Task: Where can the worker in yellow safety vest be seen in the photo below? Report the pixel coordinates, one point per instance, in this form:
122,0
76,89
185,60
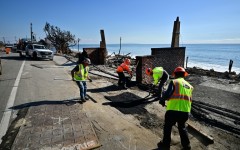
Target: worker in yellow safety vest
159,76
179,96
80,74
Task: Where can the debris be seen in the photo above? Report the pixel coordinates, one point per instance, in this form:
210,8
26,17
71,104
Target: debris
208,138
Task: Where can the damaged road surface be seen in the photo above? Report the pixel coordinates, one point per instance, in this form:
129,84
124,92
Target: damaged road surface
139,108
113,118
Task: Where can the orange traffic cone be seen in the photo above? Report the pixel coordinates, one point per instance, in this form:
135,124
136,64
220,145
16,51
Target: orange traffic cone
8,50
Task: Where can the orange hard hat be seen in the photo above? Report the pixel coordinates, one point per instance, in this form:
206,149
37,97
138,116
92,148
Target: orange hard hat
180,69
127,61
148,71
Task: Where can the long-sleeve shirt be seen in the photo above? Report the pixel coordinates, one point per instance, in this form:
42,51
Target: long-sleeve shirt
124,67
159,74
167,94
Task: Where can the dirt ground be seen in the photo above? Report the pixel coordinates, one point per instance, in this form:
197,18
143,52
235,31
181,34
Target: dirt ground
131,119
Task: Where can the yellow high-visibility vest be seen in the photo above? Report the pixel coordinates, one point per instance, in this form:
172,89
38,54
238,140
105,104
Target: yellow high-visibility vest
181,98
82,73
157,74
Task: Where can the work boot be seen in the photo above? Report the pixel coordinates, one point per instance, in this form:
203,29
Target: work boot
188,147
83,100
163,146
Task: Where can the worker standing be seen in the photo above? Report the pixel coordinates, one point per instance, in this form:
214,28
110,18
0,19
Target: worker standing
179,96
158,74
80,74
123,78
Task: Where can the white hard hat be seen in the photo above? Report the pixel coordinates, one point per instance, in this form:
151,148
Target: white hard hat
87,60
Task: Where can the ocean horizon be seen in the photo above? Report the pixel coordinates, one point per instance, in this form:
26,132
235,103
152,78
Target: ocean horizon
205,56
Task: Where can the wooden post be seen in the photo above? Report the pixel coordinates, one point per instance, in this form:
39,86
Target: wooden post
230,66
78,44
31,33
186,62
120,46
209,139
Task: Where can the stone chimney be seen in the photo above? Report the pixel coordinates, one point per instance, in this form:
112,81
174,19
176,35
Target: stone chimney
176,33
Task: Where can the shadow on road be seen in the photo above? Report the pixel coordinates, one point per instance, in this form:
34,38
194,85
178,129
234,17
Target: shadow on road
68,64
105,89
46,102
129,103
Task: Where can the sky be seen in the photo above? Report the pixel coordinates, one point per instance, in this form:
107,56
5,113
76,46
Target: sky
135,21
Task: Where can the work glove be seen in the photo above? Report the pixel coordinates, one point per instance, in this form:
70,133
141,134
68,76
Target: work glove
153,89
162,102
90,80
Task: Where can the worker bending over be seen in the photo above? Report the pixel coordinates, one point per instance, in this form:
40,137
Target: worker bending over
158,74
124,74
179,96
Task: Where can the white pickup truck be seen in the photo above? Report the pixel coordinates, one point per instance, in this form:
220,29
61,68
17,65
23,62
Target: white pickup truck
38,51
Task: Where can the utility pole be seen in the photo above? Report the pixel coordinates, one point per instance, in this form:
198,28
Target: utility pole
4,40
31,32
78,44
120,46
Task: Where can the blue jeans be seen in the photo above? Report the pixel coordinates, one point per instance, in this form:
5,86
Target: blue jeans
83,88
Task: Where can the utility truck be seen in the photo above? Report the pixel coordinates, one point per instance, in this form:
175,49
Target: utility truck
38,51
34,50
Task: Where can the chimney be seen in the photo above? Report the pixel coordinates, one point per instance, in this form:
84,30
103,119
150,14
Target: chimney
176,33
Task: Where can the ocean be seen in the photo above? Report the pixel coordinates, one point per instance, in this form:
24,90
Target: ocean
205,56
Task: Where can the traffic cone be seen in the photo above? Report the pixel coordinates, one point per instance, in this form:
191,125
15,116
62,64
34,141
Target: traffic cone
8,50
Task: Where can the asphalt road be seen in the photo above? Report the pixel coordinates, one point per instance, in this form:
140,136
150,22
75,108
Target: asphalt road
11,64
36,85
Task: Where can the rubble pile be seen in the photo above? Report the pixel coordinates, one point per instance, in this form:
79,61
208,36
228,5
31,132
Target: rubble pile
213,73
